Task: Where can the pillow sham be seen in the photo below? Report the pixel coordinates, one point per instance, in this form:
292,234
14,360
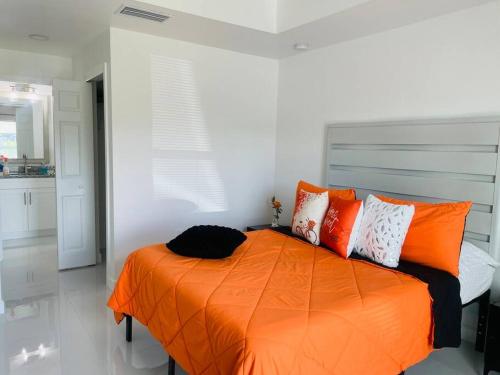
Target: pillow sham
207,241
383,230
435,234
341,225
349,194
309,213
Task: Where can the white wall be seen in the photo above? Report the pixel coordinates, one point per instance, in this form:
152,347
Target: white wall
447,66
255,14
30,67
89,62
93,54
193,138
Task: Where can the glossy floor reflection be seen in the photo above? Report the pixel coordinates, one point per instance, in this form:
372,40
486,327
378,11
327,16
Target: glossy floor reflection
58,323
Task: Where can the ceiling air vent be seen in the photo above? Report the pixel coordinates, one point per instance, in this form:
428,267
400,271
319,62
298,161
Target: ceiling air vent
134,12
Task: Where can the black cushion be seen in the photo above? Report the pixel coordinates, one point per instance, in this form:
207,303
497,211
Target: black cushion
207,241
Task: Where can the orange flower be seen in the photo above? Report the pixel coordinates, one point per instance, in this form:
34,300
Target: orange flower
276,204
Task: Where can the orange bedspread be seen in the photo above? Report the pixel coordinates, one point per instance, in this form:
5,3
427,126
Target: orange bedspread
277,306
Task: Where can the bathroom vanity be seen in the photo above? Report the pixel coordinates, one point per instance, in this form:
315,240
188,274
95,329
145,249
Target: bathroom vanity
27,199
27,206
28,224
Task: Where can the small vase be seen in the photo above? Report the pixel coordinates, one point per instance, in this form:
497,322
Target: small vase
275,222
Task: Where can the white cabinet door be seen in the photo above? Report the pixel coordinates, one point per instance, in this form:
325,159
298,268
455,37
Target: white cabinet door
13,211
16,273
41,209
73,132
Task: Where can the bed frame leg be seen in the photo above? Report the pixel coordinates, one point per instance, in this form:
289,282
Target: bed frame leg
171,365
484,304
128,328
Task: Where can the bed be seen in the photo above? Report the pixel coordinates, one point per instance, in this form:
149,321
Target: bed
279,303
431,160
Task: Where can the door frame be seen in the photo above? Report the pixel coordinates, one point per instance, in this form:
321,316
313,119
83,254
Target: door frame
92,75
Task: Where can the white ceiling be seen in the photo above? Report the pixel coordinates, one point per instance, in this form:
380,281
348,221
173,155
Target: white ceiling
72,23
294,13
68,23
255,14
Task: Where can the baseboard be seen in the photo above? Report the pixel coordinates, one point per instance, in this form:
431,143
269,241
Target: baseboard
26,235
110,282
40,236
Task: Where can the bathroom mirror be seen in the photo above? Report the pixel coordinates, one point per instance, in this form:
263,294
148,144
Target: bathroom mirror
24,121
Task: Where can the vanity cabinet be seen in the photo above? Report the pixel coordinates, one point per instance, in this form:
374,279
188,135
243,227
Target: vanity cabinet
41,205
27,207
29,271
13,211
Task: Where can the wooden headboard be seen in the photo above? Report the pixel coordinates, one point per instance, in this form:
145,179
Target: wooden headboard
427,160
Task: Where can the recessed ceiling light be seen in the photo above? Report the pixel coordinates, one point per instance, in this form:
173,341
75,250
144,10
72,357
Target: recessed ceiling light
39,37
301,46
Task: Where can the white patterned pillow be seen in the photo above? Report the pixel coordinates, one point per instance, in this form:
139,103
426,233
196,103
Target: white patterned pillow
310,210
383,231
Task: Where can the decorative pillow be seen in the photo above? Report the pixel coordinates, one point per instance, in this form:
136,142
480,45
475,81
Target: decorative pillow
383,230
309,213
207,241
436,233
349,194
341,225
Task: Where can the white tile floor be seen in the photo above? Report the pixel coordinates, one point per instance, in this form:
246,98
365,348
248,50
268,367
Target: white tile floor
59,324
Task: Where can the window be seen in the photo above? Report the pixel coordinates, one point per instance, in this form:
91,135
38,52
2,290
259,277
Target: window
8,139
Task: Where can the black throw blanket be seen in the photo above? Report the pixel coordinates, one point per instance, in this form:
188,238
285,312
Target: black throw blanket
444,290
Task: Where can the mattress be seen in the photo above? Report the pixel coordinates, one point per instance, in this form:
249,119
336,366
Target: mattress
278,305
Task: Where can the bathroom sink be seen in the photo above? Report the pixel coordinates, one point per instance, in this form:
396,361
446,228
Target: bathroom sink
30,171
23,175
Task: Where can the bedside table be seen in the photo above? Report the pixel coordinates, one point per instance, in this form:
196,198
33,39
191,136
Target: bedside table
251,228
491,357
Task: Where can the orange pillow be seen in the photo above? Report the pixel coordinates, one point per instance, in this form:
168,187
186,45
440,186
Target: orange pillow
435,235
341,225
349,194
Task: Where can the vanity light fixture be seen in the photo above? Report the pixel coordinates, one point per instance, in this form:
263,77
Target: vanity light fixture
32,95
25,88
38,37
42,351
13,93
24,355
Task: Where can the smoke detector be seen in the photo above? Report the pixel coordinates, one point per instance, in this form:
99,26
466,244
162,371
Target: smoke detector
141,13
39,37
301,46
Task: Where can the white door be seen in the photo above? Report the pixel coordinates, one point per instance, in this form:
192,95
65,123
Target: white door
14,211
73,132
41,209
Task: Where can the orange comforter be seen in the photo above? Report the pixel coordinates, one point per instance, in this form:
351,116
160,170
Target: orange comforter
277,306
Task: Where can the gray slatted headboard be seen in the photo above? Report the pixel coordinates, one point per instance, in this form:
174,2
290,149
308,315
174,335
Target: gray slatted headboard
427,160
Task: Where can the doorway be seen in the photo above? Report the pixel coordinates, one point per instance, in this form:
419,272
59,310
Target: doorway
99,136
